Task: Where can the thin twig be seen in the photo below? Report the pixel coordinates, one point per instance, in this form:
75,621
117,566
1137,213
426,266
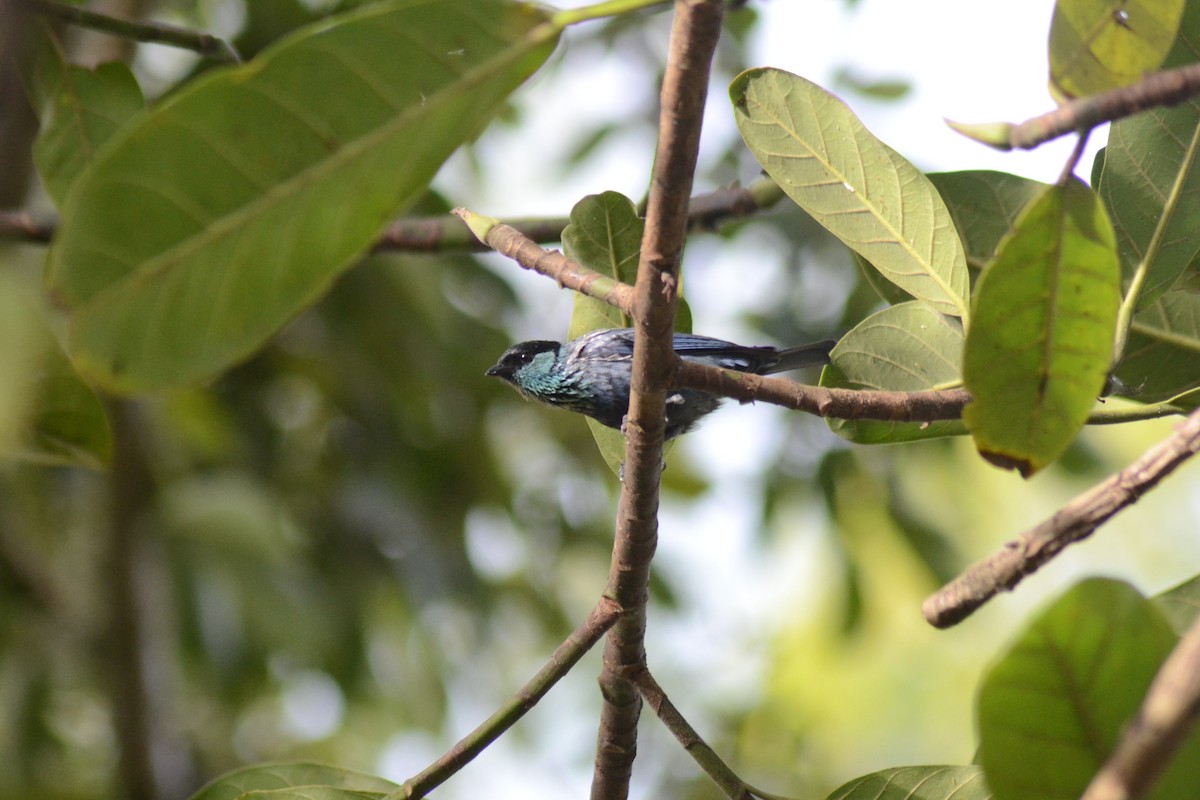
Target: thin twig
564,658
21,226
157,32
694,34
508,241
1157,90
1168,713
703,754
1074,522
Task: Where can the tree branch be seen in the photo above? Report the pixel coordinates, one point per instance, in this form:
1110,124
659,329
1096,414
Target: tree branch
694,34
565,656
1158,89
445,233
708,760
508,241
1168,713
1072,523
157,32
822,401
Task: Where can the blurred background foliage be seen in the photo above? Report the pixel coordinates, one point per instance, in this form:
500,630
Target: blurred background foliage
353,546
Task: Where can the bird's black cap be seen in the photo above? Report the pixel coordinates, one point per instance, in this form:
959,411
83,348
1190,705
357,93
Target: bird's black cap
518,356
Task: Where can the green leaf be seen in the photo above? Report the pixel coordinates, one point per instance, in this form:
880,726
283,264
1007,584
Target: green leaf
1150,182
269,778
1096,45
79,110
1180,604
917,783
854,185
984,205
1045,311
1162,354
605,235
173,268
1054,706
69,425
905,348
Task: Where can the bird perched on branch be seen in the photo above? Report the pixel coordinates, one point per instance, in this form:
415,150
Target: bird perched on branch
590,375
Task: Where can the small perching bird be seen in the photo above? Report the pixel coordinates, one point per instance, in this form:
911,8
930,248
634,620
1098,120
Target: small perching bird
591,375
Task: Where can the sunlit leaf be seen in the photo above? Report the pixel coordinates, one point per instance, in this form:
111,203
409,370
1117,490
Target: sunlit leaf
909,347
917,783
1039,352
856,186
1097,45
1150,181
204,226
1180,604
269,777
1052,709
984,205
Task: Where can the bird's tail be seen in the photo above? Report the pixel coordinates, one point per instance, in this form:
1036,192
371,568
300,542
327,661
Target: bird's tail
806,355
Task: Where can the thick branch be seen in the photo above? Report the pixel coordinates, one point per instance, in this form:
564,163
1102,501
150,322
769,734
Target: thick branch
1158,89
694,35
1073,522
1162,724
565,657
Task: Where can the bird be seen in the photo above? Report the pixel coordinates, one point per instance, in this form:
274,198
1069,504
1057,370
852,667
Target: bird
591,374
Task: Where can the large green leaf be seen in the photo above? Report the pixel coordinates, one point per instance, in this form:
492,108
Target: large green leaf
984,205
908,347
1162,354
79,109
1150,181
1052,709
202,228
1039,352
1097,45
269,778
856,186
917,783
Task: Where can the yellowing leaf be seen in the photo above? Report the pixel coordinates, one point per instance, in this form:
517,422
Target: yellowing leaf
1045,313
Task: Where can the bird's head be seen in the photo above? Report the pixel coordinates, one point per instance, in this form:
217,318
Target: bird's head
527,366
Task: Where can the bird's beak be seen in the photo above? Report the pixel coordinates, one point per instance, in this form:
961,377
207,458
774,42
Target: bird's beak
499,371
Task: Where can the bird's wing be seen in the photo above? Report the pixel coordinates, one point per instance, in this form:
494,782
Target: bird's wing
724,354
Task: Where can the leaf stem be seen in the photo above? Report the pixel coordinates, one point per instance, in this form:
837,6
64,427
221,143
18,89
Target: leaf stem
607,8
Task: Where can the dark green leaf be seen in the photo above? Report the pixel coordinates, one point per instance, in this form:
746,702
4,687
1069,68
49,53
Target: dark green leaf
1150,181
984,205
1053,708
1162,354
